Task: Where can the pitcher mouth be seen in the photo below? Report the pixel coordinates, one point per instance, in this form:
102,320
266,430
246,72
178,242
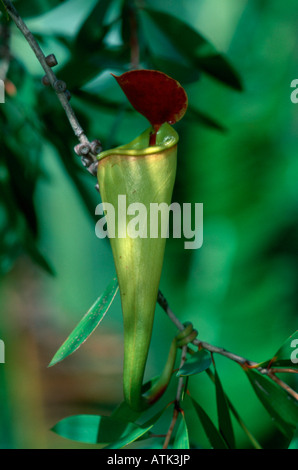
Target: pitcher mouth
166,138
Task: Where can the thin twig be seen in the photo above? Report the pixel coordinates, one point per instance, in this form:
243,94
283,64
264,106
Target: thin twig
202,344
58,85
171,428
177,408
181,379
276,370
234,357
283,385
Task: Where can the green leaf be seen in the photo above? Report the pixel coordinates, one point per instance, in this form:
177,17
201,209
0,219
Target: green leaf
36,7
183,73
63,20
149,443
282,407
87,325
217,66
203,118
197,363
215,438
175,37
286,356
181,440
3,10
101,101
241,423
133,433
294,441
92,65
105,430
92,31
123,412
223,411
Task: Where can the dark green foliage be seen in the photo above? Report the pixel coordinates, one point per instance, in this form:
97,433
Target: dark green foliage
33,116
237,155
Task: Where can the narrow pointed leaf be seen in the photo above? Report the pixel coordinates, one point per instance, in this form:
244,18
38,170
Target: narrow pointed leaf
181,440
88,323
215,65
36,7
134,432
223,411
286,356
191,45
240,421
173,67
197,363
92,31
205,119
281,406
150,443
124,413
215,438
294,441
105,430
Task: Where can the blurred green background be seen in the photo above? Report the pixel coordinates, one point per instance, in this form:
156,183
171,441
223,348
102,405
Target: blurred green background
237,155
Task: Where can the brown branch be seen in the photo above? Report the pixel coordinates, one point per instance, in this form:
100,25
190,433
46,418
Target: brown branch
171,428
276,370
283,385
181,379
202,344
85,147
234,357
177,408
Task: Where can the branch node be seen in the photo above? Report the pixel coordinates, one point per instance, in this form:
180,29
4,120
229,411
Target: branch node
45,81
82,149
51,60
92,168
59,86
96,147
